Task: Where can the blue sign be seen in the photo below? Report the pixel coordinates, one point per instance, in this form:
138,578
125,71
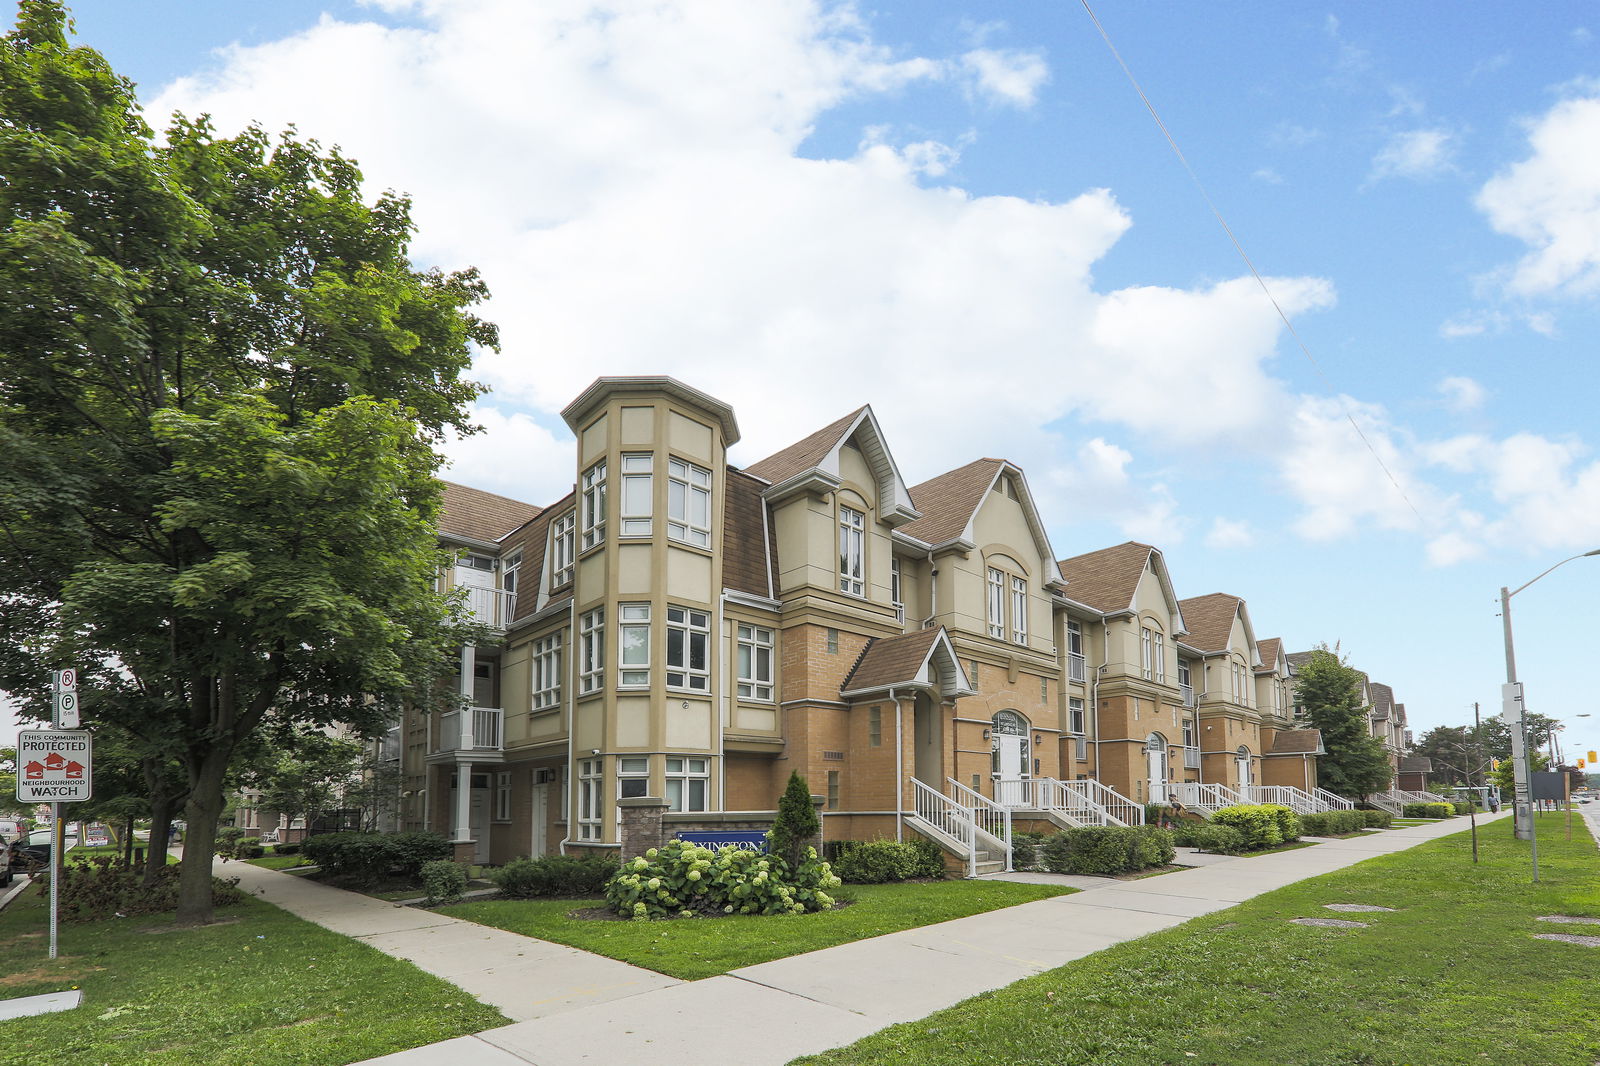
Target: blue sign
750,840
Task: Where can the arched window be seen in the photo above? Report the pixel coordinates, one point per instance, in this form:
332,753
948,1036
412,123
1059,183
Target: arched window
1009,746
1157,742
1011,723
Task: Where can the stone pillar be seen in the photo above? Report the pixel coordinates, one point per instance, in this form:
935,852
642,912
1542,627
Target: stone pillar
640,829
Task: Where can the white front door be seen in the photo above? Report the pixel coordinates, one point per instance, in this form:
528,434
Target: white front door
1244,776
478,818
1158,775
1009,788
541,815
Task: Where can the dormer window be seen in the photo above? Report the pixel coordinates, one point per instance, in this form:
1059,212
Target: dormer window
897,596
997,604
508,577
852,545
1019,610
1153,655
561,544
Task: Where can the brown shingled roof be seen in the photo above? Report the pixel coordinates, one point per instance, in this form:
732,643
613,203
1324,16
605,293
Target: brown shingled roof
1297,742
1271,650
1382,698
1210,620
480,515
1107,579
892,660
749,545
533,538
947,502
1416,764
803,454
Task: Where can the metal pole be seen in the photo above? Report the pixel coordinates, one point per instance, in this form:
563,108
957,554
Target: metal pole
1522,800
55,873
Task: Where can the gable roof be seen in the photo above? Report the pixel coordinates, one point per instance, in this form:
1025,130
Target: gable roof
1210,620
482,516
1382,697
903,662
749,543
1271,650
950,502
1298,742
812,464
1108,579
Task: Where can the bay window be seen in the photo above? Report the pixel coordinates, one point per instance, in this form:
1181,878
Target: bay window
688,637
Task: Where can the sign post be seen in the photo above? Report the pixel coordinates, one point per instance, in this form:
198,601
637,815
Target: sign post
56,766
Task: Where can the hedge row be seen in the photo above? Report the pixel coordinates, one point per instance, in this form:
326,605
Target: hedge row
1333,823
1110,849
1429,810
1264,825
873,862
367,858
554,875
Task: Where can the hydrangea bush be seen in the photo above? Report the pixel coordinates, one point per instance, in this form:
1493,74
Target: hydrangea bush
681,879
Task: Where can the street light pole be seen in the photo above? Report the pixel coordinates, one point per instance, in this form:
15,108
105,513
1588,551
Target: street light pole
1516,719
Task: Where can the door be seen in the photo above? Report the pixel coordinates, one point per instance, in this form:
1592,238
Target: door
1009,788
1157,760
1244,775
478,819
541,818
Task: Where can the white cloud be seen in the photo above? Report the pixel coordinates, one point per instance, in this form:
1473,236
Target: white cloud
1551,202
1227,533
1268,175
1462,394
511,447
1416,154
1332,471
1008,76
1100,486
632,214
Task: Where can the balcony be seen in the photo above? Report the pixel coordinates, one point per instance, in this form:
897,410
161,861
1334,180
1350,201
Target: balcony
476,729
491,607
1188,694
1076,669
1191,758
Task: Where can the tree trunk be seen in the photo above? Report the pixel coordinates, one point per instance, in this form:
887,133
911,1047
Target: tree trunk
127,842
162,807
203,812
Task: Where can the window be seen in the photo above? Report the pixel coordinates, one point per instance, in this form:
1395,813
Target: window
875,727
508,577
833,642
1160,648
476,562
688,783
852,538
594,505
688,503
633,645
502,796
637,504
833,790
1076,670
633,777
1076,719
1019,611
1186,682
997,604
896,595
592,650
755,663
1044,690
1188,731
1153,654
561,550
547,672
688,635
589,818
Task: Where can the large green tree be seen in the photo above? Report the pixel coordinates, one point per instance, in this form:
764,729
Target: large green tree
307,773
221,380
1328,690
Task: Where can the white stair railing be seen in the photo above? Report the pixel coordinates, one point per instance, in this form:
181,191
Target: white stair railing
948,817
1284,795
1206,798
988,817
1117,809
1050,795
1388,801
1335,802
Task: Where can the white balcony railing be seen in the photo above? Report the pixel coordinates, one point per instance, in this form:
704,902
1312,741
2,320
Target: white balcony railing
492,607
1191,757
474,729
1188,694
1077,670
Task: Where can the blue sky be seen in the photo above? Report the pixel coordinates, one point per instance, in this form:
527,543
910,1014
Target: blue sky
963,214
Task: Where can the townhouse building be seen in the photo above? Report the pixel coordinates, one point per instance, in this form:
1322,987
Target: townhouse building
680,628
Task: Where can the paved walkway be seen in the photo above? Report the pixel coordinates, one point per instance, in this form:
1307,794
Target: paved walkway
572,1007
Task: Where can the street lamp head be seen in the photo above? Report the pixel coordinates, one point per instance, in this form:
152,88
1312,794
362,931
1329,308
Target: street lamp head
1585,555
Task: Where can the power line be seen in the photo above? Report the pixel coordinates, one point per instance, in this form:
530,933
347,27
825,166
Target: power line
1261,281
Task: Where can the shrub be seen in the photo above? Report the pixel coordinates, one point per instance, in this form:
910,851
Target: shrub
286,849
1153,846
249,848
1463,806
105,887
1258,822
1025,851
1377,819
873,862
930,858
1220,839
572,876
227,845
445,881
796,824
367,858
1107,849
1429,810
683,879
1333,823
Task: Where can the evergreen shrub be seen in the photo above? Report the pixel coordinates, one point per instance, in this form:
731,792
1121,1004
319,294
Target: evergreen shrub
571,876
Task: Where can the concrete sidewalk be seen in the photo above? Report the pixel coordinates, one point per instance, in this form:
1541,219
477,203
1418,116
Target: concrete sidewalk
574,1007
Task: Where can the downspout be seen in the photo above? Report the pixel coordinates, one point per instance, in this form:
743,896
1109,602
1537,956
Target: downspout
723,712
1094,693
899,771
567,800
933,592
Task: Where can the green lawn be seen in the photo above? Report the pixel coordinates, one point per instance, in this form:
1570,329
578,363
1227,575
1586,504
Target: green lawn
1453,978
693,948
268,988
273,862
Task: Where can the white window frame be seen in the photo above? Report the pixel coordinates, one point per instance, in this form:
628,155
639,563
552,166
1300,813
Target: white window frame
633,776
755,676
1153,654
997,603
592,650
1019,610
561,549
852,550
594,505
688,503
896,589
684,772
547,672
591,822
633,645
1160,659
693,630
1077,665
502,796
1077,715
638,475
510,570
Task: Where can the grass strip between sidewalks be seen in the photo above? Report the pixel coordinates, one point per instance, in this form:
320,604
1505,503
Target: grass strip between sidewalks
692,948
264,988
1454,976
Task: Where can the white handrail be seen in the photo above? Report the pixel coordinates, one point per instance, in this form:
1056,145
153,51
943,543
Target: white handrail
1388,801
948,817
1116,808
1334,801
1202,797
987,815
1052,795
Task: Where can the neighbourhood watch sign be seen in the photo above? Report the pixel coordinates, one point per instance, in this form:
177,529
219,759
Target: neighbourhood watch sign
53,766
